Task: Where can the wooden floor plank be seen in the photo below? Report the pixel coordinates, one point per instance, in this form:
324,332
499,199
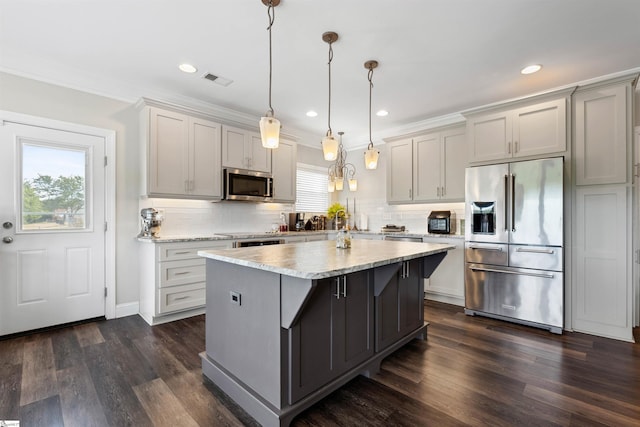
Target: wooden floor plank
10,385
88,334
157,353
66,348
130,360
597,414
120,404
78,398
202,405
44,412
162,407
38,371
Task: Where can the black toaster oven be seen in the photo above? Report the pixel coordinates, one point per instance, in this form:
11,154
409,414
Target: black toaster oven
441,222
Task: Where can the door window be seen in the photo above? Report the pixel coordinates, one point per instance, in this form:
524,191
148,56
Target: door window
53,187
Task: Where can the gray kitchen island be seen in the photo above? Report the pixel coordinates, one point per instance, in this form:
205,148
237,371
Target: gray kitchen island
288,324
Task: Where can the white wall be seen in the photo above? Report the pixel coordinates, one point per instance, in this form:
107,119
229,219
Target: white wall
40,99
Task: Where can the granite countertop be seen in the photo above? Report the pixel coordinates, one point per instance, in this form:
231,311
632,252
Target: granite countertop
321,259
275,235
408,234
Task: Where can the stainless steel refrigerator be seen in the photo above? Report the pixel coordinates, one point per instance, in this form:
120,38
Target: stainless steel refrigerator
514,232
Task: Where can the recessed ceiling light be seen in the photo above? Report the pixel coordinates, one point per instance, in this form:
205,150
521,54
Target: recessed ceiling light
382,113
187,68
311,113
530,69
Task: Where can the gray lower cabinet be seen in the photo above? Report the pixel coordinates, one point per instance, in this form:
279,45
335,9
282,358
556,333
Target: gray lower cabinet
398,301
333,334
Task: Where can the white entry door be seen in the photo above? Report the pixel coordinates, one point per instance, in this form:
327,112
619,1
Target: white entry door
52,232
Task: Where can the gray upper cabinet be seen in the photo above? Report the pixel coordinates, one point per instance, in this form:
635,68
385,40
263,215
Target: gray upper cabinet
436,173
602,134
242,149
284,163
400,172
528,131
182,155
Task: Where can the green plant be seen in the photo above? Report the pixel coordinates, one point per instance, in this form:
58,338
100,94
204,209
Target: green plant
333,209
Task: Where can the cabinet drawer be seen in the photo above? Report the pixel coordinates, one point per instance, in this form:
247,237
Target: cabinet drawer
172,273
542,257
487,253
186,250
181,297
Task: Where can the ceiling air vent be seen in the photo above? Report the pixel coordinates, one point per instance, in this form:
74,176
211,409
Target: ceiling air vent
217,79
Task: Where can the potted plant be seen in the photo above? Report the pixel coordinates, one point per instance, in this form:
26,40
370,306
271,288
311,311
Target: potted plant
335,209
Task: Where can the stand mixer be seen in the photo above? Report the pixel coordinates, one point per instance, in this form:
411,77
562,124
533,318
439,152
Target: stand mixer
151,221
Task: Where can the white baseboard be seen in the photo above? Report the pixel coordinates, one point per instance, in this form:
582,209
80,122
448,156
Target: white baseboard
127,309
447,299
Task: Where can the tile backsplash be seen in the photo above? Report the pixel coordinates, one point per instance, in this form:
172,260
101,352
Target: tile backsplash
201,218
413,217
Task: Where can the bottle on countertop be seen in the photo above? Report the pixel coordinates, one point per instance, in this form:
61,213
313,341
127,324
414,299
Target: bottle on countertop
283,223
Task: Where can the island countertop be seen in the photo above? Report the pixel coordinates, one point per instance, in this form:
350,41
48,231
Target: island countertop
321,259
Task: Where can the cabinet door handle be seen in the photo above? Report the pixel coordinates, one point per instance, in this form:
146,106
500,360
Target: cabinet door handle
404,273
509,147
181,253
442,191
344,286
180,273
515,150
337,294
410,193
637,170
437,191
180,298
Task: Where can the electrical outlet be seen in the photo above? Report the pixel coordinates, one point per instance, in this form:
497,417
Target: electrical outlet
236,298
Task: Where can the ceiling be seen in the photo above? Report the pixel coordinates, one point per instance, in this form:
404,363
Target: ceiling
437,57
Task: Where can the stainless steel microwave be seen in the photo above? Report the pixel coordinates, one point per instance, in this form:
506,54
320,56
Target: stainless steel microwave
240,184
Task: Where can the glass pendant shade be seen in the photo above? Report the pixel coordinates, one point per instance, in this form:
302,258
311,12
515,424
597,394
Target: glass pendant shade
339,184
329,147
371,158
270,132
353,185
331,186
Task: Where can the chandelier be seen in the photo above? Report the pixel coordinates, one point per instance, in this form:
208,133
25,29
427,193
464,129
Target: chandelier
341,170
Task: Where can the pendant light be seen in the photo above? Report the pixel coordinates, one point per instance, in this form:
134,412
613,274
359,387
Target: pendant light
329,143
269,125
371,155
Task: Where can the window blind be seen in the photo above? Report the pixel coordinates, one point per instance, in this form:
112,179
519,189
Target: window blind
311,193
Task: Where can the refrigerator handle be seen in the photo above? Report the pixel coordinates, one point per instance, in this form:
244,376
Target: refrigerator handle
513,203
506,204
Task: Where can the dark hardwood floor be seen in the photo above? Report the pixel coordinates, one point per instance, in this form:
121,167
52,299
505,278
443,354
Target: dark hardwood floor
470,371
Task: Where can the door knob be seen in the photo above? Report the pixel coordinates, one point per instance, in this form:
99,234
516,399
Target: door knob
7,225
7,239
